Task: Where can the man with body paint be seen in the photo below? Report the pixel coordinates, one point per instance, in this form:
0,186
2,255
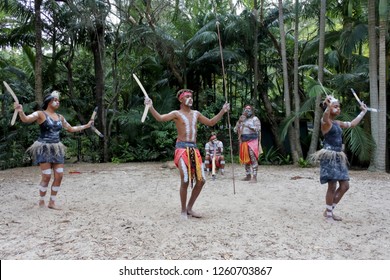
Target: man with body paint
187,156
248,129
48,151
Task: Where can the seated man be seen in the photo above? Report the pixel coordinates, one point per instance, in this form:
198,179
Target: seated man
214,159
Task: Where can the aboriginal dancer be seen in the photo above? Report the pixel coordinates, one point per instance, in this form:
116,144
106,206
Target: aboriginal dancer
48,151
214,152
248,129
187,156
333,161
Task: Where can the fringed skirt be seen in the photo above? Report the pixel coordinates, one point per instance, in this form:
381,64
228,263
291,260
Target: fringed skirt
333,165
47,152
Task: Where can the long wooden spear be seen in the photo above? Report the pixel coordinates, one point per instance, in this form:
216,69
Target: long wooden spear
226,100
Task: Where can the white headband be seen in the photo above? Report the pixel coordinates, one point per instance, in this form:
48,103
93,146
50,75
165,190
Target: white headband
55,94
332,99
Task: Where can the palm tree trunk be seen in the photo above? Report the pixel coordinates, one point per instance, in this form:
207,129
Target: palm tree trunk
38,52
373,69
286,88
317,109
297,100
255,54
382,141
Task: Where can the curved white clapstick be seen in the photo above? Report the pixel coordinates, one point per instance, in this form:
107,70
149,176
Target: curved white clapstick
15,99
360,102
94,129
146,96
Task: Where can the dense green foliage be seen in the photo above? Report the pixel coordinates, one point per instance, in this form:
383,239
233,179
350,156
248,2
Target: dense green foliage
172,45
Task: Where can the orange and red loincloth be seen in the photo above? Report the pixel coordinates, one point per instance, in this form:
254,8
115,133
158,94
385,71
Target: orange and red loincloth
252,144
189,153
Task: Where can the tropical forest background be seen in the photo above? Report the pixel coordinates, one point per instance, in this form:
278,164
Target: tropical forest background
282,57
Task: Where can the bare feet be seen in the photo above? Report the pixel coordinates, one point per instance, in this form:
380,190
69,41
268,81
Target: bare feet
334,217
337,218
247,178
41,203
253,180
329,219
53,206
184,216
193,214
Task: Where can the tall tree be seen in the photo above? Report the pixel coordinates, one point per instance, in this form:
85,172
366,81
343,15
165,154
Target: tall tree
373,70
255,51
317,109
382,141
38,52
93,14
286,85
297,101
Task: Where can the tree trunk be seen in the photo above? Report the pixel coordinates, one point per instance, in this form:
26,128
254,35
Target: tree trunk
297,100
76,107
382,151
286,88
97,48
270,114
373,70
271,118
317,109
38,52
115,82
255,55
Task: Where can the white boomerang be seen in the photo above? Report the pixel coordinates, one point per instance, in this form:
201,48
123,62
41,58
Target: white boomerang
94,129
146,95
360,102
15,99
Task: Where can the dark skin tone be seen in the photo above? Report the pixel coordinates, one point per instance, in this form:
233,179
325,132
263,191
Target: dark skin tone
334,194
184,133
40,117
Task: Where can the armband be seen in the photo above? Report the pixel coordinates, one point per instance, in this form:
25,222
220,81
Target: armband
361,115
80,128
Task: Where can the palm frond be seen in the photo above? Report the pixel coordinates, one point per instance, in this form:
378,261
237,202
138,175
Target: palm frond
307,107
214,56
359,142
351,38
204,38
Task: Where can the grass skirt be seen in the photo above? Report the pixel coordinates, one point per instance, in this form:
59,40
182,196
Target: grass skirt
47,152
333,165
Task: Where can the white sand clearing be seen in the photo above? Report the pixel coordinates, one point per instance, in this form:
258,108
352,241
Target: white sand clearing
132,211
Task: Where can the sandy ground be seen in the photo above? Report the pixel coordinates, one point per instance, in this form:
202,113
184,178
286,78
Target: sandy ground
132,211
